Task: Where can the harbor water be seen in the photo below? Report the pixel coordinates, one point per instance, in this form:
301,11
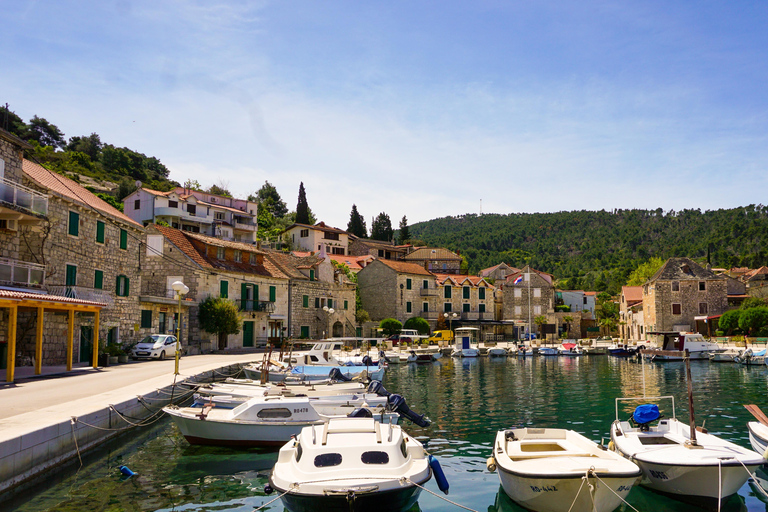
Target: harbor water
467,400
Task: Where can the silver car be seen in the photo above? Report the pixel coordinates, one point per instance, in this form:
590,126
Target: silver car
156,346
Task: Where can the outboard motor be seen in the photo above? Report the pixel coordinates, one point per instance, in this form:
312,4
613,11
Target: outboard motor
367,361
398,405
644,415
360,412
335,374
376,387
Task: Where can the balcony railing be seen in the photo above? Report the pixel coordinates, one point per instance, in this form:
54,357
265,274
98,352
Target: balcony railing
428,292
248,226
21,273
171,294
81,293
430,315
261,306
19,195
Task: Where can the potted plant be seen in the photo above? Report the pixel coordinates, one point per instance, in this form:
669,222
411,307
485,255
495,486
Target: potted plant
114,351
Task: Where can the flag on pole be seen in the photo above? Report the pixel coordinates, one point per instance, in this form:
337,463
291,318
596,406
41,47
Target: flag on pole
518,279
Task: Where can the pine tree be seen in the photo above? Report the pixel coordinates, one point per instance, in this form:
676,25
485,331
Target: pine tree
302,208
381,228
405,235
356,225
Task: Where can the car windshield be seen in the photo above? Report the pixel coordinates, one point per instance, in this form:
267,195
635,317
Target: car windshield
152,339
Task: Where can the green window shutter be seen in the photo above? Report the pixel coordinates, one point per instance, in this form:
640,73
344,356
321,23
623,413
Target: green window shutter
346,304
317,302
465,307
447,292
99,232
330,303
407,307
466,292
98,280
481,293
123,239
425,307
408,284
481,308
244,296
256,294
146,318
305,301
71,275
305,331
127,286
224,289
311,275
74,223
272,294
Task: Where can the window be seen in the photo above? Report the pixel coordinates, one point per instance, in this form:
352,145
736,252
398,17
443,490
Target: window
346,305
154,245
447,307
327,459
71,278
447,293
408,283
536,310
331,236
304,233
585,300
219,215
375,458
407,307
275,412
253,259
425,284
703,308
481,308
381,253
173,204
137,204
123,286
518,293
304,331
74,223
465,292
481,293
537,292
677,309
518,310
123,239
99,232
702,286
311,275
238,256
317,302
675,286
465,307
272,294
146,318
98,280
425,307
192,209
224,289
305,301
330,303
220,253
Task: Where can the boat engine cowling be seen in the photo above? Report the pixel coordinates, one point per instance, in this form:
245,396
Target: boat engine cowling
398,405
335,374
376,387
360,412
367,361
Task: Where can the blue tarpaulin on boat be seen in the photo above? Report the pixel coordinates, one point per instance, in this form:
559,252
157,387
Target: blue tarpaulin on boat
646,413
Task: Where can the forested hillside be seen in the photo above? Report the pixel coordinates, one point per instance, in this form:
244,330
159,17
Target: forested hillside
596,250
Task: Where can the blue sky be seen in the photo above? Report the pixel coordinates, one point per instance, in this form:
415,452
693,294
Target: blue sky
422,109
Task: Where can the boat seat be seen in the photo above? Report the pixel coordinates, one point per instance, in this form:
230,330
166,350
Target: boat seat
544,455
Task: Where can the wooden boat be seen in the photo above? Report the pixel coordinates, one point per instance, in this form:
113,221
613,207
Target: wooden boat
678,461
349,465
559,470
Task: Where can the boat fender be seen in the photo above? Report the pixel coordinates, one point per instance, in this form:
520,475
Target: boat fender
491,464
268,489
126,471
612,446
442,482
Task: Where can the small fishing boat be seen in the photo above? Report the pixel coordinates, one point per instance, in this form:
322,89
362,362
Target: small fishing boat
675,344
570,349
497,352
751,358
349,465
523,351
559,470
726,356
758,430
678,461
314,374
466,342
547,351
623,350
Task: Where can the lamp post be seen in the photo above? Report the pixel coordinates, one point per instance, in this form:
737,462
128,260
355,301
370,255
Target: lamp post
450,319
180,289
330,311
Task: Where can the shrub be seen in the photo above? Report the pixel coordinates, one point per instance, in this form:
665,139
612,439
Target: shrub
390,326
418,323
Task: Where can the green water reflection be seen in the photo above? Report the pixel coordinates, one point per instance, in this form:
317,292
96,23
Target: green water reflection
467,400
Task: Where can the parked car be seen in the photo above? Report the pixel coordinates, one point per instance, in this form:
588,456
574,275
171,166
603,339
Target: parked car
526,337
155,346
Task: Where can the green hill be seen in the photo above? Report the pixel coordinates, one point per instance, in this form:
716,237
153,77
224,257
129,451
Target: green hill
596,250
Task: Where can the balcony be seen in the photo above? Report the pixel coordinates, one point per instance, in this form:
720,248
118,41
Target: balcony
178,213
21,196
21,273
261,306
430,315
245,226
82,293
428,292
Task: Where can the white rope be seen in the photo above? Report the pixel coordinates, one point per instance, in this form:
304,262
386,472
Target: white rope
719,484
272,501
765,493
614,492
74,437
438,496
583,479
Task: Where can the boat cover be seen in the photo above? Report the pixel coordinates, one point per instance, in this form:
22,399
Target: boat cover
646,413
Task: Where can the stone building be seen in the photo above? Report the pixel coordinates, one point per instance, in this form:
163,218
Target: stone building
631,325
400,290
469,296
377,248
304,237
212,267
322,297
526,295
681,292
498,272
435,259
756,282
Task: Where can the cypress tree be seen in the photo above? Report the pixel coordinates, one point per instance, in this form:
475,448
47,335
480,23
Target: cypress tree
302,208
404,235
356,225
381,228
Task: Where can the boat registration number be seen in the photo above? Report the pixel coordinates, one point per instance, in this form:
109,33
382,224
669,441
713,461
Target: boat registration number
659,475
297,411
543,488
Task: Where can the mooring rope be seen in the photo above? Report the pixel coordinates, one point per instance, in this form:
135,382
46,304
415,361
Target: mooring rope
765,493
614,492
719,484
74,437
575,498
438,496
272,501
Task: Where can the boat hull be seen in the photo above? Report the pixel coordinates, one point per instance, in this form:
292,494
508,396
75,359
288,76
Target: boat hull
215,433
758,436
391,500
564,493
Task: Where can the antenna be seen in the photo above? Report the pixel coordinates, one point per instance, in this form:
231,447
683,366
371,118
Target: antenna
481,206
138,184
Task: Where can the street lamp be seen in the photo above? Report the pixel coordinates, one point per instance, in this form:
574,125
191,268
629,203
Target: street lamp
450,319
180,289
330,311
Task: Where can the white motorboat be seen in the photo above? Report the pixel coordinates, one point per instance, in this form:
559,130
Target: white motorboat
751,358
570,349
497,352
726,356
349,465
547,351
675,344
554,470
315,374
758,436
266,421
250,388
466,342
423,356
702,468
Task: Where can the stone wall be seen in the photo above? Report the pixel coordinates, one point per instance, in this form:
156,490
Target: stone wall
318,320
12,155
545,301
378,290
660,298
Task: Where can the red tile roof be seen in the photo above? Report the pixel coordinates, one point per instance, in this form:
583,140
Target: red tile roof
354,263
14,295
65,187
404,267
632,293
460,279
